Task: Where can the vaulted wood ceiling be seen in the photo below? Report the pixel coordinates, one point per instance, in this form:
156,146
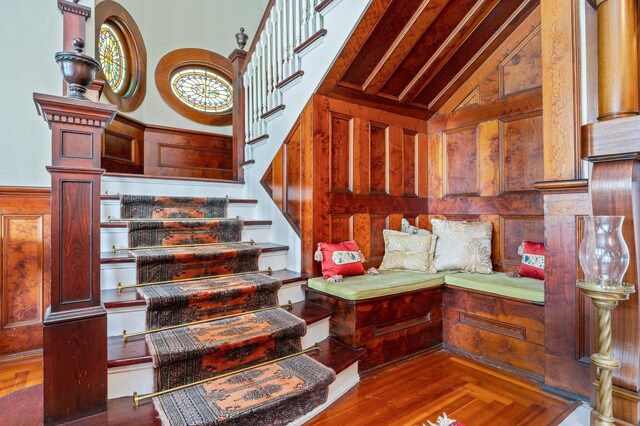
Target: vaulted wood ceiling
410,56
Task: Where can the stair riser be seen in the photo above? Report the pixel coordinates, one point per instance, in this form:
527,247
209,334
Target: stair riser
132,319
123,381
171,187
113,273
118,237
245,211
345,380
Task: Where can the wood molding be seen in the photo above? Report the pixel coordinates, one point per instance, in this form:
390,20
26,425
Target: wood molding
134,93
179,58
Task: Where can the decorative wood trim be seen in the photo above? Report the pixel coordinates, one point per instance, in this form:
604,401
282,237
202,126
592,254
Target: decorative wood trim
258,139
501,94
323,5
273,111
563,186
133,95
310,41
284,83
179,58
78,9
494,326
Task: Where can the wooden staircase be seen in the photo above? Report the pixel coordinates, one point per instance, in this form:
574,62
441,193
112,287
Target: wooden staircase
129,363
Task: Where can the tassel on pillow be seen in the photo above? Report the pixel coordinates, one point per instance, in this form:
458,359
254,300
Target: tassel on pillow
318,255
335,279
373,271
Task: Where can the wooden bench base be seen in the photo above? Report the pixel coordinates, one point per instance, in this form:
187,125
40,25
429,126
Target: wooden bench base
505,330
390,327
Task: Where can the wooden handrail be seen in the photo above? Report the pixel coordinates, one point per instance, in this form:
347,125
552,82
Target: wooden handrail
256,36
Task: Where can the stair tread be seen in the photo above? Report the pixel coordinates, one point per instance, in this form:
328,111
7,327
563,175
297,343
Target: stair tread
111,298
125,257
231,200
135,351
116,224
334,355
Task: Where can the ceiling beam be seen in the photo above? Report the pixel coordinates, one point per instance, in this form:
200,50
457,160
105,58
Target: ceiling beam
458,36
350,51
421,20
505,30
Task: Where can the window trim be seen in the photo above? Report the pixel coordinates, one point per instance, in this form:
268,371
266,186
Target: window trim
192,57
131,97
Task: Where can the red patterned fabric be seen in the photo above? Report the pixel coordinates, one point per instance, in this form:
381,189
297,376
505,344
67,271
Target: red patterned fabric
532,265
341,259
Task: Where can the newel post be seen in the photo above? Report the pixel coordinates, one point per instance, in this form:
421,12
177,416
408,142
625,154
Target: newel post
237,58
75,324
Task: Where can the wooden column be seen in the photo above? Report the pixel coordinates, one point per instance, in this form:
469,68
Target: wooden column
237,58
617,58
75,329
613,146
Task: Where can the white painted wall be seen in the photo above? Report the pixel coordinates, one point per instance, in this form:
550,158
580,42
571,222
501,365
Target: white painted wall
167,25
29,40
33,34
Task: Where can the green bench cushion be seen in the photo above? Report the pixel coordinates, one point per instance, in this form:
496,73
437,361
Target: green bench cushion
369,286
498,283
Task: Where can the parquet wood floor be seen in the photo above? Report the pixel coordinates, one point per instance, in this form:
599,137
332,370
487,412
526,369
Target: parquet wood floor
409,393
20,374
421,389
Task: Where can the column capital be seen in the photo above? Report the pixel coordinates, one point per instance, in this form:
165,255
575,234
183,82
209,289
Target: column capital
58,109
75,8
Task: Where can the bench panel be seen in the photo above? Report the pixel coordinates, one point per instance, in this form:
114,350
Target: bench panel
504,330
389,327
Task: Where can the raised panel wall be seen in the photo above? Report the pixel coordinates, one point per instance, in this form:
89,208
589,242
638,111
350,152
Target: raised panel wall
486,147
25,257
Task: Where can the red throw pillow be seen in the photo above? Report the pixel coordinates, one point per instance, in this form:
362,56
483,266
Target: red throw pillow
532,265
340,259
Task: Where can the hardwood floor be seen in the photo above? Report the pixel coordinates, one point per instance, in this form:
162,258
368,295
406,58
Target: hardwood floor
409,393
421,389
20,374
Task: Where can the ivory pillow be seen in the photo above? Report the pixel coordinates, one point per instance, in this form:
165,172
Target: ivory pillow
463,245
408,228
408,252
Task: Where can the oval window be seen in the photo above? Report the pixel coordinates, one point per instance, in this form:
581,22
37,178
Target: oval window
202,89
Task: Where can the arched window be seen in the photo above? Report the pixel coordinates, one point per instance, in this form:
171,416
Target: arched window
122,56
196,83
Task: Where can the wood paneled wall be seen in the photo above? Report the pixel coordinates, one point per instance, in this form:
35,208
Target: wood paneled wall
130,146
486,147
366,169
25,259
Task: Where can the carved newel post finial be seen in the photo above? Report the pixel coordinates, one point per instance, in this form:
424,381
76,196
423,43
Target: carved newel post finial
78,69
241,39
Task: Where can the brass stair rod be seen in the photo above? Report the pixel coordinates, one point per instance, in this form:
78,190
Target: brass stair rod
137,398
169,219
121,286
126,336
115,249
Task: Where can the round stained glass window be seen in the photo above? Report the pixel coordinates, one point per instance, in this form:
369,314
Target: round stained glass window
112,57
202,89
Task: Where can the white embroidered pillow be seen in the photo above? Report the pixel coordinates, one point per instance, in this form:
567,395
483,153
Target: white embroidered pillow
408,252
463,245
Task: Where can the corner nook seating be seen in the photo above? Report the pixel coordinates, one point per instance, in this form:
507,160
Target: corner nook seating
399,313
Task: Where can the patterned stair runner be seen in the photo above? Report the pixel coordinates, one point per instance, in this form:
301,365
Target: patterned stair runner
180,303
273,394
188,354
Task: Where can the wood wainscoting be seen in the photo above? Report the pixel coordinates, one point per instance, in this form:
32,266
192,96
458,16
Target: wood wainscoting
486,147
25,259
366,169
130,146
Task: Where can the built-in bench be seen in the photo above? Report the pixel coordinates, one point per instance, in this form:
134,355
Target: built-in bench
399,313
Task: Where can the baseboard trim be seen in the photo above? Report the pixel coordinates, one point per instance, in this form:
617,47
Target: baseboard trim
563,394
33,355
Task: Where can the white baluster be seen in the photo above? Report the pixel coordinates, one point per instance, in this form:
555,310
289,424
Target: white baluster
268,75
247,106
291,36
319,20
254,95
310,20
298,24
278,41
